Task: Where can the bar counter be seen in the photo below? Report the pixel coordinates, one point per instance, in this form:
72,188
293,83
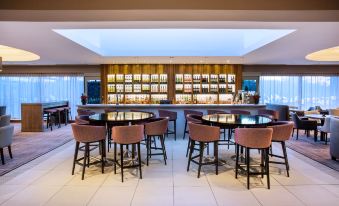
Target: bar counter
179,108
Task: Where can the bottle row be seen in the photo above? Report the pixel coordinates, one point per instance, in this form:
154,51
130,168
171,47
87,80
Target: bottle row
196,88
204,98
137,88
135,98
137,78
204,78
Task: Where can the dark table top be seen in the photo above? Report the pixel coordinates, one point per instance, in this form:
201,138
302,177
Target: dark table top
236,119
121,116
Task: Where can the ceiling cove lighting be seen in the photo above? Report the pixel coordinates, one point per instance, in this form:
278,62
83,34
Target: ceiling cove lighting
10,54
330,54
173,42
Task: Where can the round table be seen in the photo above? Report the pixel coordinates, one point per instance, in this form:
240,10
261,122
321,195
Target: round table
231,121
236,120
111,119
120,117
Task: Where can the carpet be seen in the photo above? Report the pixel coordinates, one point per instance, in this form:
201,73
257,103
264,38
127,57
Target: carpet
28,146
316,151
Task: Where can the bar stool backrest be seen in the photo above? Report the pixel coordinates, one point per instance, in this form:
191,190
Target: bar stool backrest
187,111
128,134
257,138
282,132
82,119
165,113
272,113
214,111
203,133
88,133
235,111
197,119
158,127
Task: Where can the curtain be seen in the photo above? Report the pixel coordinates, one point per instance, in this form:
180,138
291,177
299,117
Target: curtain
300,91
25,88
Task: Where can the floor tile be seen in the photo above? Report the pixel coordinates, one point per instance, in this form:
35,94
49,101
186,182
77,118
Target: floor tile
193,196
149,195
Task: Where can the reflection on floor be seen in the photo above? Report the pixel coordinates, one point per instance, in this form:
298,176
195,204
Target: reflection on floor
48,181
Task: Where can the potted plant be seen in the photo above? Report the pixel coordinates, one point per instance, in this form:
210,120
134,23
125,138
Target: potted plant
256,98
84,99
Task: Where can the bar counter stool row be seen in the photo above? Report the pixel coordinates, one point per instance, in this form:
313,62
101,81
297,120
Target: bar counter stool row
56,116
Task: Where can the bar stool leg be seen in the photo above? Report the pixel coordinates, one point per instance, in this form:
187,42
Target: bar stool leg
200,157
10,151
283,145
115,158
175,130
122,162
102,142
190,153
139,160
216,156
185,129
75,156
163,148
248,167
267,169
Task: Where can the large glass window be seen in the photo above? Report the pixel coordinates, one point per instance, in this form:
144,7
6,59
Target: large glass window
300,91
17,89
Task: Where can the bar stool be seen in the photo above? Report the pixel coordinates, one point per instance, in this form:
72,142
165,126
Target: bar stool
196,119
236,111
172,118
272,114
82,119
156,128
203,134
282,131
214,111
68,114
253,138
50,117
186,112
85,112
60,114
87,134
127,135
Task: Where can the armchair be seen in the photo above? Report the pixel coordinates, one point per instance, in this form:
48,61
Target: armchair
306,125
5,120
334,143
6,138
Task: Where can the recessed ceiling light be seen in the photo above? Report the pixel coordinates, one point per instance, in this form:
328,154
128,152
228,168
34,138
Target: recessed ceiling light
173,42
11,54
330,54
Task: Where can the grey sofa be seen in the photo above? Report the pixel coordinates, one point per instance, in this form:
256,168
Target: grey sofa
334,144
2,110
6,138
5,120
284,111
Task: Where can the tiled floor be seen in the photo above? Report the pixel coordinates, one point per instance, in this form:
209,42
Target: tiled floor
48,181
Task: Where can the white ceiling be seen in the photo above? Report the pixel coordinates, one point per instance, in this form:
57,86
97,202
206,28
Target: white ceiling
39,38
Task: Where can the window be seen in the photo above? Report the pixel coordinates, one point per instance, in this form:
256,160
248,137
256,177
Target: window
17,89
300,91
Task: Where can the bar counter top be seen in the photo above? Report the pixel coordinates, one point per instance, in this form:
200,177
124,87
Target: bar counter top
226,106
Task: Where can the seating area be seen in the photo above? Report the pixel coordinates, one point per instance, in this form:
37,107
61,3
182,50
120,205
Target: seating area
170,103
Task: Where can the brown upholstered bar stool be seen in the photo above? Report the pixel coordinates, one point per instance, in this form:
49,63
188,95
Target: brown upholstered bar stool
253,138
269,113
203,134
214,111
60,113
172,118
82,119
236,111
87,134
68,114
156,128
50,117
186,112
282,131
85,112
127,135
196,119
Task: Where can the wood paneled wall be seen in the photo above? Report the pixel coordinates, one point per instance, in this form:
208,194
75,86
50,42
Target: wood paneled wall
170,70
